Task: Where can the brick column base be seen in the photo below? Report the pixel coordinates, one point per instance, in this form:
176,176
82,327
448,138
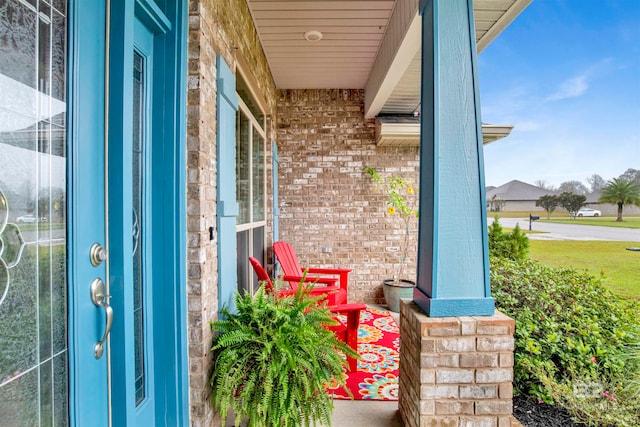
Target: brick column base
455,371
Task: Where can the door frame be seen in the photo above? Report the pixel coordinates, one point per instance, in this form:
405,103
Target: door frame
86,133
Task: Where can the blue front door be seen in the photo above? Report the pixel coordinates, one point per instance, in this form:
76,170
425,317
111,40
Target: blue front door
142,195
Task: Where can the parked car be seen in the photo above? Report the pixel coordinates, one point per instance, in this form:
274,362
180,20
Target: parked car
588,212
27,219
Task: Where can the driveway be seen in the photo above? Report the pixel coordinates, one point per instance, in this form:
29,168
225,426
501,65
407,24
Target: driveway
553,231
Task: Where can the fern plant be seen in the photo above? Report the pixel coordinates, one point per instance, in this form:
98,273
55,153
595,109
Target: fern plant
272,359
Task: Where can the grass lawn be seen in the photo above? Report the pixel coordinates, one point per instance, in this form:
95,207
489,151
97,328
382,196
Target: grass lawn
606,221
621,268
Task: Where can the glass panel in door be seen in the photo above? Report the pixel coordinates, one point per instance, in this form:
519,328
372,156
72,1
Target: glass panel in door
33,251
136,228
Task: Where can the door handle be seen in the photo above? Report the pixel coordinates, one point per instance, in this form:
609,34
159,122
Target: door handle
100,299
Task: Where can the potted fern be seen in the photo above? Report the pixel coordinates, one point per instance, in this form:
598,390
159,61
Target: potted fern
402,203
272,359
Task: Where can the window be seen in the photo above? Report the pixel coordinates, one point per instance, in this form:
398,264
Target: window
250,184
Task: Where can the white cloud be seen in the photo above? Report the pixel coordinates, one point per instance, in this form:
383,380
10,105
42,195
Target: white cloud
570,88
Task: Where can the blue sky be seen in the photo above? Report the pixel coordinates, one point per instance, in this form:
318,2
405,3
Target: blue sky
566,73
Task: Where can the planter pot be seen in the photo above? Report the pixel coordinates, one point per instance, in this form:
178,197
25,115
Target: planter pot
393,292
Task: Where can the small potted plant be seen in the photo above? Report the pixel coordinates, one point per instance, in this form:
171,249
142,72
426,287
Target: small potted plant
272,359
401,203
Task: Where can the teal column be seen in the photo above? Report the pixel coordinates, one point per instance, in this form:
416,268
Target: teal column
227,206
453,267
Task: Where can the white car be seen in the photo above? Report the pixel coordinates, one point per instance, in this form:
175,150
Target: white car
27,219
588,212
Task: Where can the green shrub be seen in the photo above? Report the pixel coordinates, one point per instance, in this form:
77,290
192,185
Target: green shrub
514,245
573,340
272,359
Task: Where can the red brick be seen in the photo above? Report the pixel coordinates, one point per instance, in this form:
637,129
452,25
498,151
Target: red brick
427,376
495,407
494,330
506,360
439,360
427,407
454,376
478,360
495,343
468,325
460,345
444,331
439,392
478,392
454,408
428,421
427,345
478,422
497,375
498,319
505,391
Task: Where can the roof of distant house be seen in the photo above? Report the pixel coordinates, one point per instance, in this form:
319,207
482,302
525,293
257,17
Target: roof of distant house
594,197
518,190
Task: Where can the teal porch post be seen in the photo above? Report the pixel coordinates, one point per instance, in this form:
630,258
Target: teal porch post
453,267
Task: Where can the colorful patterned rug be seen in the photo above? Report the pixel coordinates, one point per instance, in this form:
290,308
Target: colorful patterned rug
379,347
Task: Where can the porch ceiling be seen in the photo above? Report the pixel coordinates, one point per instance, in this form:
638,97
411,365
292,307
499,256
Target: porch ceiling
357,36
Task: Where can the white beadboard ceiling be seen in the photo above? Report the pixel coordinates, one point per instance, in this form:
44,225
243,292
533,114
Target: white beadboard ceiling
353,33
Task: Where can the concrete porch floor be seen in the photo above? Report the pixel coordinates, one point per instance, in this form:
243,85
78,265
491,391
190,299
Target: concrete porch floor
360,413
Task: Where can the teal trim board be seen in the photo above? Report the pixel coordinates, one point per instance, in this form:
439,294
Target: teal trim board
120,217
88,398
227,206
169,195
453,274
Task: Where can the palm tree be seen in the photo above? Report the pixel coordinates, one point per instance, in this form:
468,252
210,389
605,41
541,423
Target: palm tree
621,192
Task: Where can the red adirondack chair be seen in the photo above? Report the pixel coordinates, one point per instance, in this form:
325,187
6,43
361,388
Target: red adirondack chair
291,268
344,331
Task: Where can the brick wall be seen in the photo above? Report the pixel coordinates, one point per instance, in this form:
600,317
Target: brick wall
324,142
455,371
216,27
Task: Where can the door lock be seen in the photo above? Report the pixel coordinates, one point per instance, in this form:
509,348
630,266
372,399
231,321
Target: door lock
101,299
97,254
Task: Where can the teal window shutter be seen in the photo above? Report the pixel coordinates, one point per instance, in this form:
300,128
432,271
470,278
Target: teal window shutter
227,206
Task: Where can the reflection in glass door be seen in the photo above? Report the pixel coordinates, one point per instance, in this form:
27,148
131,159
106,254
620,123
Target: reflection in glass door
33,303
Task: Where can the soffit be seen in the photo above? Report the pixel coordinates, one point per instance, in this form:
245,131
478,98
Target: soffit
353,31
490,16
405,131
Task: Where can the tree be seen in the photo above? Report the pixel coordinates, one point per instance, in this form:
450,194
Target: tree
631,175
514,245
575,187
596,182
620,191
549,203
496,204
571,202
541,183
